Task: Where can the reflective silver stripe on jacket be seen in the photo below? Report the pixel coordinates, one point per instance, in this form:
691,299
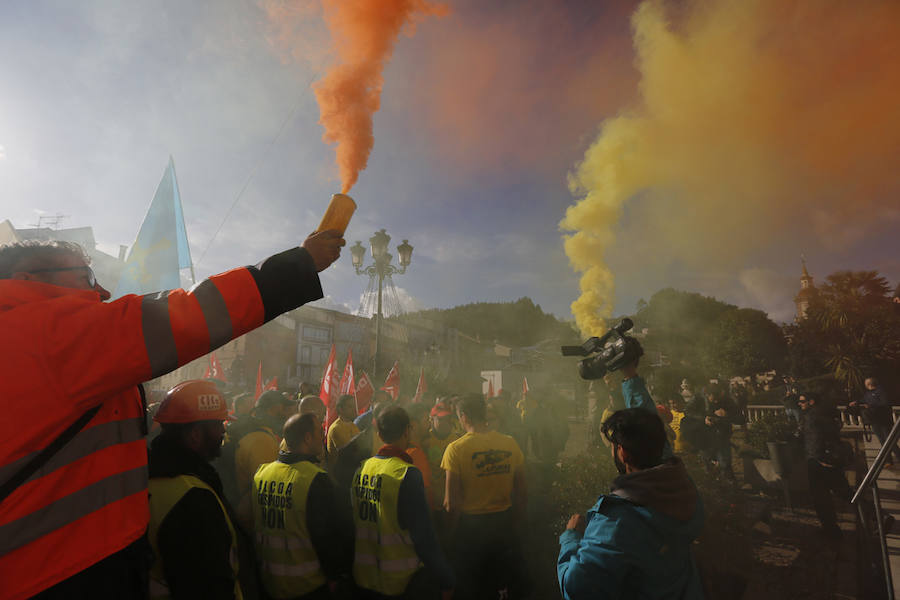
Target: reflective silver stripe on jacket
282,570
158,337
85,443
69,509
385,539
282,543
215,312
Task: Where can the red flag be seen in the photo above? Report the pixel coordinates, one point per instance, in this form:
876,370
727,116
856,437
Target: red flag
524,386
392,383
259,381
215,369
421,387
328,389
272,384
364,393
490,392
348,385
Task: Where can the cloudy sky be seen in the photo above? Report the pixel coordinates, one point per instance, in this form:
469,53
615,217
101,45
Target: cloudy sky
485,115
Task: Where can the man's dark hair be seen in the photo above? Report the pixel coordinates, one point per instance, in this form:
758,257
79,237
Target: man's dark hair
344,400
392,424
640,432
474,407
297,427
36,254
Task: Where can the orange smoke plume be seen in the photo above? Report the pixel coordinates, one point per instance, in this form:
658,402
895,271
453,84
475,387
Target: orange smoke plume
363,35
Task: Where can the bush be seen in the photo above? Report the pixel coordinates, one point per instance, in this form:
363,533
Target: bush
772,427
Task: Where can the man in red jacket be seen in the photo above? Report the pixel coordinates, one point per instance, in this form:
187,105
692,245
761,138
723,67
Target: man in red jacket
73,460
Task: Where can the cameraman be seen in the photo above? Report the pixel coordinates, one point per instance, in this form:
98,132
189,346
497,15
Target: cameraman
636,541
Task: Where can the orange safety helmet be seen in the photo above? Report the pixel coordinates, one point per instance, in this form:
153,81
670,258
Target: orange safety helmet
192,401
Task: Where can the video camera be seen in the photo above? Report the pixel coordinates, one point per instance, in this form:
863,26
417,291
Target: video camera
613,351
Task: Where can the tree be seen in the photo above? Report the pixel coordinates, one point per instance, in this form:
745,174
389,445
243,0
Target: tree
741,342
852,331
676,322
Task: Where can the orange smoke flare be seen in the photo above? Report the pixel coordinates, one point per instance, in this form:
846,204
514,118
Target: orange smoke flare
363,35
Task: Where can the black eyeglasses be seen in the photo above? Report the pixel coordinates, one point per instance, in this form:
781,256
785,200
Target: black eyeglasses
91,278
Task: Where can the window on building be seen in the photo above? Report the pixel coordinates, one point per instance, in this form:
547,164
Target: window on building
316,334
305,352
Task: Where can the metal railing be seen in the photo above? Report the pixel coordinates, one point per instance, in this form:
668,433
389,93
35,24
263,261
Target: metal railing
870,482
756,412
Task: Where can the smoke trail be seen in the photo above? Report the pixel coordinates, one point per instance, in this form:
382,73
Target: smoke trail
757,122
363,34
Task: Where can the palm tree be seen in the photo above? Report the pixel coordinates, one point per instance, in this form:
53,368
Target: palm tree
844,310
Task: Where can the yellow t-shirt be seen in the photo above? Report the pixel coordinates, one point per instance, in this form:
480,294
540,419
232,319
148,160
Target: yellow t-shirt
254,449
340,433
486,463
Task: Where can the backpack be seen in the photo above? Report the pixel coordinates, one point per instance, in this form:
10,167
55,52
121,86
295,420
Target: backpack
225,463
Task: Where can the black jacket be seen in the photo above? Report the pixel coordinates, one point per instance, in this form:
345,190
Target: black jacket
721,426
820,427
194,540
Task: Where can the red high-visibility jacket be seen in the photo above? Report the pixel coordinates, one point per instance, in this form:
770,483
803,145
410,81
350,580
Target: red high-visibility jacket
62,351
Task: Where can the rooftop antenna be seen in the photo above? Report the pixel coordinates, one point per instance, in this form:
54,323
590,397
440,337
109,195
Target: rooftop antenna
51,221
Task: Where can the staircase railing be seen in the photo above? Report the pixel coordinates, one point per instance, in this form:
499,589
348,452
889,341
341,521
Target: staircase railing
870,482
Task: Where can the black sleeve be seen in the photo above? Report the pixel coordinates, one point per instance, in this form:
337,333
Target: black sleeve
195,545
330,527
286,280
414,515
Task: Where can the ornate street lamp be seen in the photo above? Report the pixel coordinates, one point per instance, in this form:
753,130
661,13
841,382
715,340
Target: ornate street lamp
380,268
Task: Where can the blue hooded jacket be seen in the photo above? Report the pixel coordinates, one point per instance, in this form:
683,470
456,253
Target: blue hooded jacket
638,539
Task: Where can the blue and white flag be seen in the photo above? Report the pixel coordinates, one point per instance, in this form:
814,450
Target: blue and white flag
161,249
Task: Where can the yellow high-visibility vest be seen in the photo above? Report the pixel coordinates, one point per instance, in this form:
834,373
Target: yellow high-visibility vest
288,562
385,558
165,493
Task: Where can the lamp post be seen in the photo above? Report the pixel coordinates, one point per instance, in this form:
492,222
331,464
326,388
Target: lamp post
381,267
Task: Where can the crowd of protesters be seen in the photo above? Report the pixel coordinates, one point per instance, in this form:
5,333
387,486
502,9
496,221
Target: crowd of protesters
269,497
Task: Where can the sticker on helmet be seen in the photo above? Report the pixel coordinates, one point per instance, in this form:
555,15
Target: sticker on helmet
208,402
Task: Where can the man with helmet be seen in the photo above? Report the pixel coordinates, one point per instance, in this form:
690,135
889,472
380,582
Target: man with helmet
191,531
73,460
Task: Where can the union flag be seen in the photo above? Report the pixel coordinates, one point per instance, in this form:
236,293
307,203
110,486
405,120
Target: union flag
392,383
364,393
328,389
348,385
421,387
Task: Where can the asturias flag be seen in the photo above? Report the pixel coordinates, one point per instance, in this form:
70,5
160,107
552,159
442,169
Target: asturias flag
161,248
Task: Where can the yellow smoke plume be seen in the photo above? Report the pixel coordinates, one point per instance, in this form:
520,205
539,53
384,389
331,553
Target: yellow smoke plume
363,36
756,121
